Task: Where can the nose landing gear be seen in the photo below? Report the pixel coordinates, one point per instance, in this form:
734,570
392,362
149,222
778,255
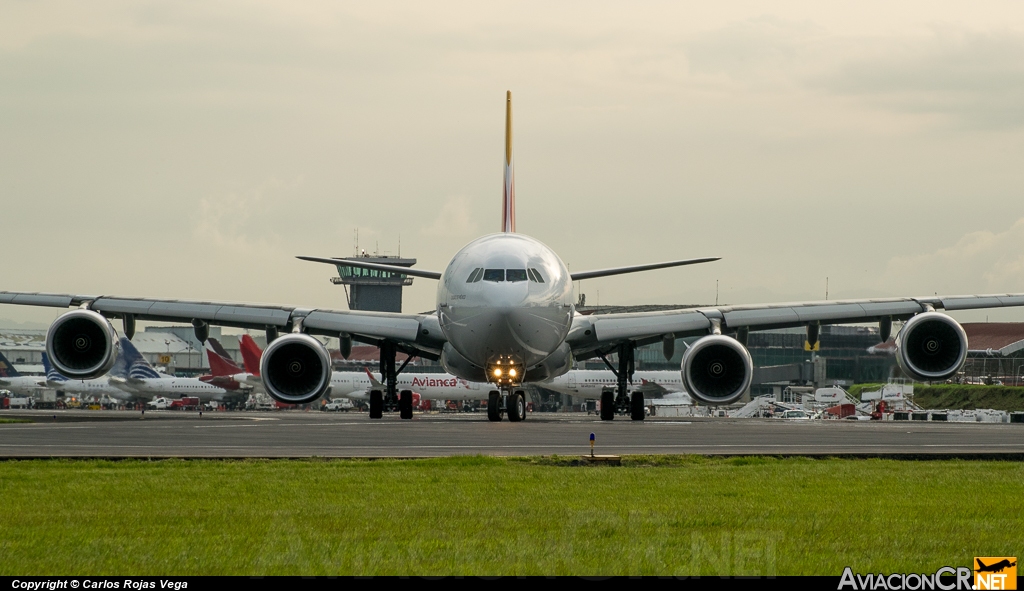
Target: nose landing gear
508,402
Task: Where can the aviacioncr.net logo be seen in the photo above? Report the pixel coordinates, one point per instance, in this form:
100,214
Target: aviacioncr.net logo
946,578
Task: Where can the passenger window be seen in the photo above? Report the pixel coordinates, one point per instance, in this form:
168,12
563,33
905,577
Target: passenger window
494,275
535,276
475,275
515,274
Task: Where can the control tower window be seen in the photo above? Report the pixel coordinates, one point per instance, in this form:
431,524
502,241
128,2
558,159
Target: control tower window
494,275
475,275
535,275
515,274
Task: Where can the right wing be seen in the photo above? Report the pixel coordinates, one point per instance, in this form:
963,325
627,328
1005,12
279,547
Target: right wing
595,334
418,334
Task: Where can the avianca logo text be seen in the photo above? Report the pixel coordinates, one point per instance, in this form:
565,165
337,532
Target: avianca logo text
434,383
907,582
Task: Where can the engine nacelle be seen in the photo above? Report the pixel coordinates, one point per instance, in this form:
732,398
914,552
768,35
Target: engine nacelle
82,344
717,369
296,369
931,347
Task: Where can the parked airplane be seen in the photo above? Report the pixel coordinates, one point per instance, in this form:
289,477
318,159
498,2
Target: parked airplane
360,385
97,387
141,379
11,379
592,383
505,315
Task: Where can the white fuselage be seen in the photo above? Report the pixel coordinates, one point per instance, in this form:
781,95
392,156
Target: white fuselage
94,387
430,386
589,383
171,387
23,385
506,299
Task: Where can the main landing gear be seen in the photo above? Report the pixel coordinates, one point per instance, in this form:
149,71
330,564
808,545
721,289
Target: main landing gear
620,400
390,399
509,402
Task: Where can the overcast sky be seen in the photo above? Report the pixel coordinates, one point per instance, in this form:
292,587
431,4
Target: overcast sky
190,150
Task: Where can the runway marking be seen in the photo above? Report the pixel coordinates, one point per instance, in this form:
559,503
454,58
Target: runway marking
561,446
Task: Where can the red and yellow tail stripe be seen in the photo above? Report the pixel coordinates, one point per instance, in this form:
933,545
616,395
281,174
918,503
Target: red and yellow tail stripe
508,200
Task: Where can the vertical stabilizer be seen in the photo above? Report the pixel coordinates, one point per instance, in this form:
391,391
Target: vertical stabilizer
7,368
220,365
137,366
508,202
52,375
251,354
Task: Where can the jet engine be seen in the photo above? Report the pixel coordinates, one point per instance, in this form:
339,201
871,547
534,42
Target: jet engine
931,347
296,369
82,345
717,369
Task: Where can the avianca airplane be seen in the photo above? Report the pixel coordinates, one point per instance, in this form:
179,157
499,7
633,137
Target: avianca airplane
360,386
11,379
505,316
141,380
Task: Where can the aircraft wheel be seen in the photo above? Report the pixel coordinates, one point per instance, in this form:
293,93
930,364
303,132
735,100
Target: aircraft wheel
494,406
376,404
516,409
607,405
405,404
637,412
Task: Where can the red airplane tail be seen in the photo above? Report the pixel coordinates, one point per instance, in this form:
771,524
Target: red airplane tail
220,365
251,354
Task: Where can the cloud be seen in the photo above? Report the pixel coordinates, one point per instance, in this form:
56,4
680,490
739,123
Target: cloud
454,220
992,262
976,79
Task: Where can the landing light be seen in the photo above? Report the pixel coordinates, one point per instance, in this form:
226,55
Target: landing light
512,373
497,372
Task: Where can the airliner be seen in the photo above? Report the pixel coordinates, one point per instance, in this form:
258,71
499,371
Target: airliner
592,383
92,387
11,379
361,385
140,379
505,315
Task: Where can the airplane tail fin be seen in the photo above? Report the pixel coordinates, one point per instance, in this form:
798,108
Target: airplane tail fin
52,375
136,365
374,382
251,354
508,202
7,369
215,349
220,365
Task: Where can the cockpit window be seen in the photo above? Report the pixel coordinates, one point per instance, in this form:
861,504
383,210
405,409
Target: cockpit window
494,275
535,275
515,274
475,275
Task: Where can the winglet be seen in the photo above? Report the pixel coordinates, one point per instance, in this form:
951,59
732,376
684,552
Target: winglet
508,200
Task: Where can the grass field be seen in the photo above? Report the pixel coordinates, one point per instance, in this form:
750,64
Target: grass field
958,396
488,516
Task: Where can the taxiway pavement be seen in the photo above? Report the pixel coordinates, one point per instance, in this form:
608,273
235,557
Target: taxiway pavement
287,434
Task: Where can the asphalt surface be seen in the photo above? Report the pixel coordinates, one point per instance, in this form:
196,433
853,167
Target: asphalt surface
287,434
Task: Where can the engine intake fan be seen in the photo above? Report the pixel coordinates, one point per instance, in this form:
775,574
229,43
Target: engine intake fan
82,344
931,347
717,369
296,369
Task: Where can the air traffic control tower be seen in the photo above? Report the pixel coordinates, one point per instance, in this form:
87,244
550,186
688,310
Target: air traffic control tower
371,290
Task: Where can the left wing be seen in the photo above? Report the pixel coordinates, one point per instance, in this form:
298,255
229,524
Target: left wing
592,335
419,334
